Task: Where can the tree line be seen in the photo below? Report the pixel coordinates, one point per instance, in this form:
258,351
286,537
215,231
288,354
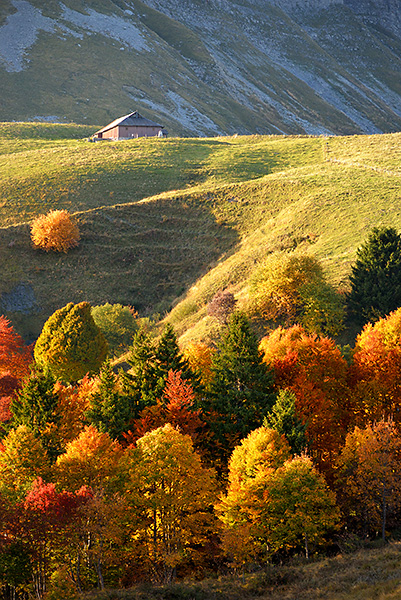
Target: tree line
195,460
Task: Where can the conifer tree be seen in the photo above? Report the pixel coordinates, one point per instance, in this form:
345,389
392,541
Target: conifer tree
109,410
283,418
71,344
241,389
376,276
36,407
151,363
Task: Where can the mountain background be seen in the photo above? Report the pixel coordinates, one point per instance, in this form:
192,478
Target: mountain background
205,67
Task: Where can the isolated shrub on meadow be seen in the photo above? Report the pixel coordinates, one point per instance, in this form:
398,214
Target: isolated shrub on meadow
56,231
221,305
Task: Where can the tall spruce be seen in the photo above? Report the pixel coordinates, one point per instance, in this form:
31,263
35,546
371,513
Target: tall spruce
110,409
241,392
151,362
376,276
284,420
36,407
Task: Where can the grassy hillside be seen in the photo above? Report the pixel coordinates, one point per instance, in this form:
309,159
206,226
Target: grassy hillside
360,576
169,222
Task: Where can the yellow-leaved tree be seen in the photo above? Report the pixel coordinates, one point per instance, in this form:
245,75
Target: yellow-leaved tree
273,502
171,495
57,230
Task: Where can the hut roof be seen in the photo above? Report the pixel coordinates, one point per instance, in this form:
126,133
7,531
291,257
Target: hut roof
131,120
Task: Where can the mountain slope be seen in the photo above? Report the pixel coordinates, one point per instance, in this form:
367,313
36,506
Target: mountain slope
205,67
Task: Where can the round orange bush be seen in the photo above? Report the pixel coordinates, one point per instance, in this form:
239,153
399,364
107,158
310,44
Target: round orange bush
56,231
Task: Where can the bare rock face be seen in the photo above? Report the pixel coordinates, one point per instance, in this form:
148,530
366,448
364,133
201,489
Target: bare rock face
304,5
382,13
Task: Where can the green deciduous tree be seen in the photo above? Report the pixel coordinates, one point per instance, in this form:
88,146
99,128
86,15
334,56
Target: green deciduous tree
376,276
273,502
299,508
291,287
251,466
118,325
71,344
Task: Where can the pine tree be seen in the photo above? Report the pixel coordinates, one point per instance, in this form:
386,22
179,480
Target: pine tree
109,410
283,419
241,389
376,276
151,363
36,407
71,344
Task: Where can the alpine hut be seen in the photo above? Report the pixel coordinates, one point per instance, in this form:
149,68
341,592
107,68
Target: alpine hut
131,126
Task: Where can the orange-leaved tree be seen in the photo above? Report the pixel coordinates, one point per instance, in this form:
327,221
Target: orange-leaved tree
92,459
177,407
314,369
15,359
368,476
56,231
376,370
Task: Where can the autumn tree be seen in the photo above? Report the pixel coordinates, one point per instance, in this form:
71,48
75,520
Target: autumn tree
46,514
15,359
299,508
22,460
177,407
170,494
241,389
314,369
222,305
57,231
15,356
368,477
70,344
199,356
376,276
291,287
375,373
118,325
251,465
73,402
92,460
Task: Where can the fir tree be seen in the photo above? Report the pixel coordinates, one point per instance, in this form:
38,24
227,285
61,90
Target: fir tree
110,409
151,363
283,419
376,276
36,407
241,390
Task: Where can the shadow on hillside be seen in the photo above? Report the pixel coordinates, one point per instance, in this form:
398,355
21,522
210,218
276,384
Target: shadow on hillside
144,255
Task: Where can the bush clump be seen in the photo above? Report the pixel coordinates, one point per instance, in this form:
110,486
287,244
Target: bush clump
57,231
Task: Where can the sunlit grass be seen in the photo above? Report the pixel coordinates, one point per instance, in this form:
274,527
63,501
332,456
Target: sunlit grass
169,222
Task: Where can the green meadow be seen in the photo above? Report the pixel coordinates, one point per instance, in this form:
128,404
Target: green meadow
165,223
